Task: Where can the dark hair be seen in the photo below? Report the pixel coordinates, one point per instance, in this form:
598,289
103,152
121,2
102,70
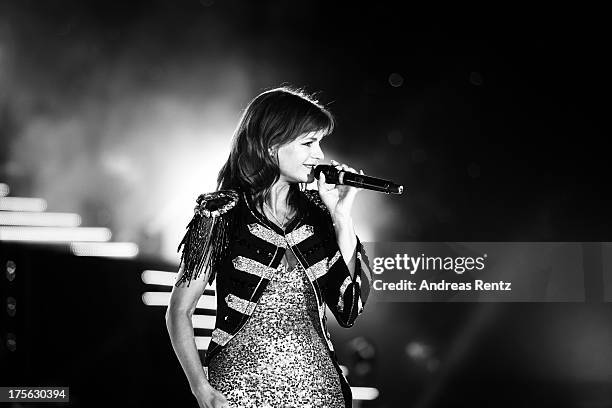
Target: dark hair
273,119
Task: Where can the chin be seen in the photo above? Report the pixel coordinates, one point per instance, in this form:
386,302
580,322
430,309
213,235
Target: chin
301,177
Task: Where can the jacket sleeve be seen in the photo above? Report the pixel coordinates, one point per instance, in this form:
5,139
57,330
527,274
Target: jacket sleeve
346,295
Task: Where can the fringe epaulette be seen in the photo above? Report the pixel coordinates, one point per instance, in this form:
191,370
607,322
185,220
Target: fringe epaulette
208,234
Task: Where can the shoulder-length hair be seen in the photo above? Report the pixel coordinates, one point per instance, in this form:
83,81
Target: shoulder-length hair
274,118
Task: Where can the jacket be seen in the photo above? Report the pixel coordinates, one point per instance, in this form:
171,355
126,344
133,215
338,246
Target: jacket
244,249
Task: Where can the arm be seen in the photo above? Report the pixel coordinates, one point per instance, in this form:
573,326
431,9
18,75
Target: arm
347,240
203,246
183,301
348,278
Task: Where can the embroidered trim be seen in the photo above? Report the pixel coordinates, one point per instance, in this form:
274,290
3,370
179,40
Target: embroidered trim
302,233
355,295
334,258
322,320
241,305
317,270
220,337
343,287
267,235
253,267
293,238
329,344
216,203
315,198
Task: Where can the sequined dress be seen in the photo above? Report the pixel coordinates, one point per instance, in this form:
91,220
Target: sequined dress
279,358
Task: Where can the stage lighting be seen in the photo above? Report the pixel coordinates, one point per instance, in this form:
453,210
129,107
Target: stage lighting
163,299
105,249
22,204
54,234
11,306
11,269
11,342
40,219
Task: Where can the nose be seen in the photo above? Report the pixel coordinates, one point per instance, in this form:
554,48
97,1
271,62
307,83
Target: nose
317,153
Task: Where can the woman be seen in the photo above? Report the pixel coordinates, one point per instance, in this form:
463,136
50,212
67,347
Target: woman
281,255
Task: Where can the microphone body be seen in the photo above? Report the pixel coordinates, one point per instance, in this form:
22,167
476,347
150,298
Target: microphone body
335,176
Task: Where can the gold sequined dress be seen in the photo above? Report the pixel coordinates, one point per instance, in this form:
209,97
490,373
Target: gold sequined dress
279,358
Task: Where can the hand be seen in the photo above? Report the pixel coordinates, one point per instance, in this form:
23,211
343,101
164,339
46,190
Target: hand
208,397
338,198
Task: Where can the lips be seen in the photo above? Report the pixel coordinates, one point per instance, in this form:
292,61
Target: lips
311,168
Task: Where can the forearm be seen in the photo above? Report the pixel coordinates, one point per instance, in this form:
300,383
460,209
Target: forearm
347,241
180,329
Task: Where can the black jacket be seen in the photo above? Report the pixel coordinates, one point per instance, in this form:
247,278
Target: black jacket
245,249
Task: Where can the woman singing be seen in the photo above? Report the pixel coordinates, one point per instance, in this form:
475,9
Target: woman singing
281,255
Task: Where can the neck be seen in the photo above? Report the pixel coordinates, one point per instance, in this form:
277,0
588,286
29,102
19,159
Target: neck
278,196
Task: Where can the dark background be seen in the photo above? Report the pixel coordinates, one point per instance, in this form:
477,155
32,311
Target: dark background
495,127
491,118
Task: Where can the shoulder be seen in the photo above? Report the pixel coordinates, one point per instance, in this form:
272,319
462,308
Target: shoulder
216,203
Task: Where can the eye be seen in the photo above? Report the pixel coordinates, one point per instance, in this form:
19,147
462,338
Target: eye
307,143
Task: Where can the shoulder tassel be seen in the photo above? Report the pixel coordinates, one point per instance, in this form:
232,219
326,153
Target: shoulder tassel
205,243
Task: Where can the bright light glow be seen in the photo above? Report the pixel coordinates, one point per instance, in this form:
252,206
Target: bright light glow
4,189
163,278
54,234
418,351
40,219
163,299
22,204
364,393
202,342
179,178
158,278
106,249
203,322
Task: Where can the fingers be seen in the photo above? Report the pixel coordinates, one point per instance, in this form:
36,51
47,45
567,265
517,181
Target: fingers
346,168
321,179
322,184
343,167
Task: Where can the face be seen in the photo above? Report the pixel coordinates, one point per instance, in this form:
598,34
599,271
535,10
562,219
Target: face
298,158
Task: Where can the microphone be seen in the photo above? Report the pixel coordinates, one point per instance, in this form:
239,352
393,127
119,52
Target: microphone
335,176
